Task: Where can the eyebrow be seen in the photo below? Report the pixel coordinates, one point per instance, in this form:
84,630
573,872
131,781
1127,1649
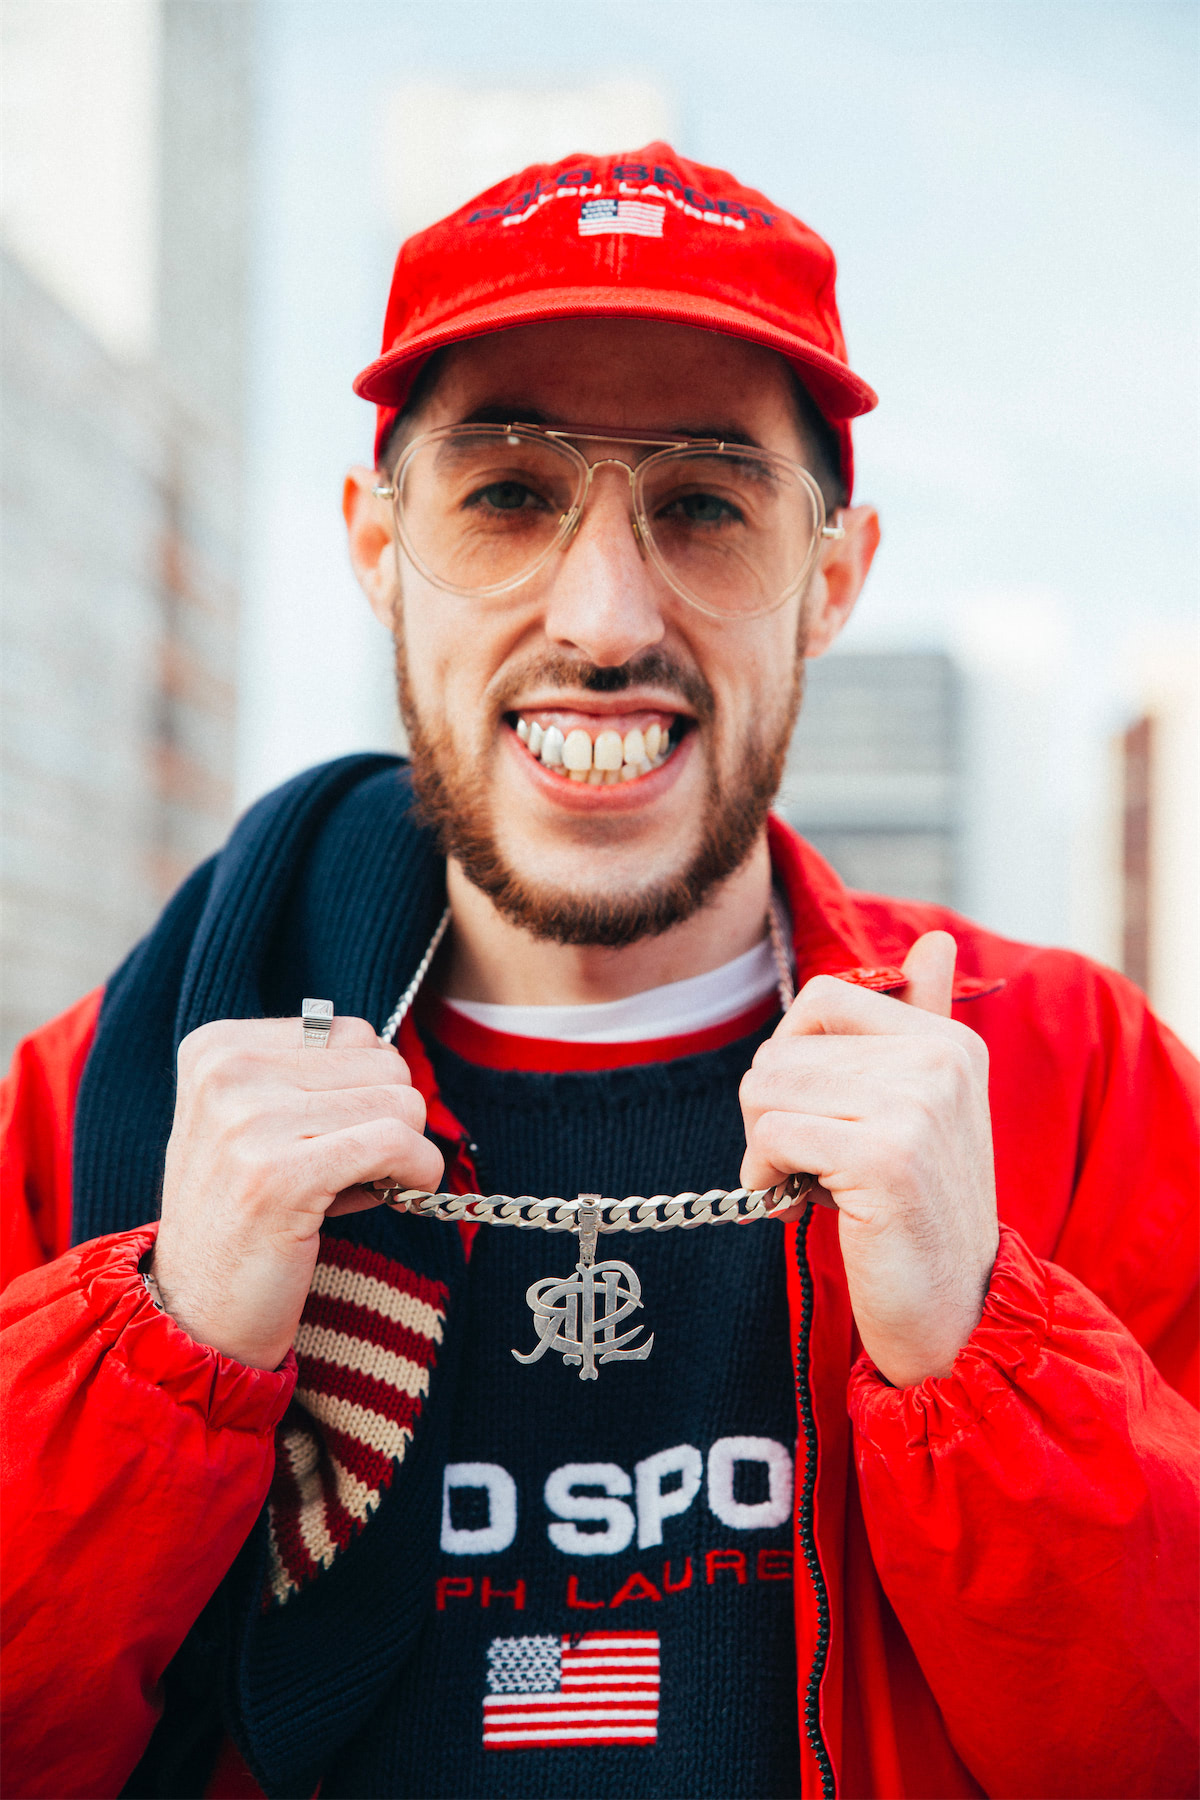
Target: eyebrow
516,413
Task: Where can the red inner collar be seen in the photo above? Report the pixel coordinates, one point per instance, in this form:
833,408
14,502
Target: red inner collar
490,1049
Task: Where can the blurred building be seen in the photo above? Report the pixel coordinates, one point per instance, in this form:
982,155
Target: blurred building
123,330
873,775
1155,851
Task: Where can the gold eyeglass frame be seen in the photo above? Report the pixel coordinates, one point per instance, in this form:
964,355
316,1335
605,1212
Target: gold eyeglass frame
563,438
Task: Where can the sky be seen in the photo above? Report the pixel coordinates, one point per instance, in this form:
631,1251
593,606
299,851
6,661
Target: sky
1010,189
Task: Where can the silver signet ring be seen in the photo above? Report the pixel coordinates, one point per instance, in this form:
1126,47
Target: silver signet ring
317,1018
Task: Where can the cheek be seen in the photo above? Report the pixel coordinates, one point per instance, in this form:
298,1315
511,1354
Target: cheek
755,690
450,656
435,648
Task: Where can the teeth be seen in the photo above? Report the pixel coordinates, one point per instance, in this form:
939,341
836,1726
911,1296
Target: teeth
608,752
607,761
577,751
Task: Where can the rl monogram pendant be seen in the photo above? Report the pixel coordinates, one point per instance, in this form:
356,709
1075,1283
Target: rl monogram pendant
579,1316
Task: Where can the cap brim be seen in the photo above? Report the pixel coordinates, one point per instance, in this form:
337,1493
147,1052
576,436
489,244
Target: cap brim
837,390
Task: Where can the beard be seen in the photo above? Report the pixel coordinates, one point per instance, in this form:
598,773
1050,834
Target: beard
452,798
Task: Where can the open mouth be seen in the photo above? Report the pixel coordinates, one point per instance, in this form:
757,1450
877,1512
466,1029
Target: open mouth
602,752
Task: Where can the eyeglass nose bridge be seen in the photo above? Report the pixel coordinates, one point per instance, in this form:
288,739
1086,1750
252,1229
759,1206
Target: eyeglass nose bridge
580,506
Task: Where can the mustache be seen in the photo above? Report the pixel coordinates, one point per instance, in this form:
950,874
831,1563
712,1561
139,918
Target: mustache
653,668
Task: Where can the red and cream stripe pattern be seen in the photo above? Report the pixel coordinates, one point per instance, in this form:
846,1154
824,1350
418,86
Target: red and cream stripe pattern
368,1338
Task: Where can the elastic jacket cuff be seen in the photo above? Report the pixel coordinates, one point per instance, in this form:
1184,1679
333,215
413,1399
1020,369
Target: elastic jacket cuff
1003,1350
158,1352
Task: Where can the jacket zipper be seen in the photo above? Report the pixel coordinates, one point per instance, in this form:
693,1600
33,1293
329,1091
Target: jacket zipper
807,1534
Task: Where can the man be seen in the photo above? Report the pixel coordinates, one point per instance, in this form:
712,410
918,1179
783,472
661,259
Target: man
892,1494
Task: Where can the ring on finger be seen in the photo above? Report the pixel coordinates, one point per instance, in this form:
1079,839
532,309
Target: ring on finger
316,1016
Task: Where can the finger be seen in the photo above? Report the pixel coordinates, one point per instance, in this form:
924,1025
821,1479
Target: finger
790,1143
795,1210
929,966
352,1200
836,1060
827,1006
321,1071
379,1150
347,1033
857,1078
258,1080
333,1110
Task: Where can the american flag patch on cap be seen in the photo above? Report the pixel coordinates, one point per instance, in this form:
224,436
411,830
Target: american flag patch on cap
600,1687
637,216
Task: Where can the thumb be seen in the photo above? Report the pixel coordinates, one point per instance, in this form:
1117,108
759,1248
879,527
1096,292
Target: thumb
929,966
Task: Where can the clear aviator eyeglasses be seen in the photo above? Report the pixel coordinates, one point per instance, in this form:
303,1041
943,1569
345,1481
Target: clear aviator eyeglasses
732,529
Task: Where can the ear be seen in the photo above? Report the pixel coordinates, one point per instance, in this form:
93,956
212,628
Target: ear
841,572
371,540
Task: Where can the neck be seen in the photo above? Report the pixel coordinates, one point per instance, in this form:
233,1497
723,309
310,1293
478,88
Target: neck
490,959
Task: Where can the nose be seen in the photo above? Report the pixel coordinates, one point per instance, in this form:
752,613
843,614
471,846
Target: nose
605,599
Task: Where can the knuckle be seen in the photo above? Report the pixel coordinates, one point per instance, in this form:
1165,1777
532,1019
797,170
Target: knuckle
216,1031
769,1128
245,1163
906,1144
414,1108
393,1142
823,987
975,1050
942,1061
228,1069
956,1063
817,995
751,1084
353,1033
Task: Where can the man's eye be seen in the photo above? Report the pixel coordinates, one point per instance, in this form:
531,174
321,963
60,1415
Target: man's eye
506,496
701,509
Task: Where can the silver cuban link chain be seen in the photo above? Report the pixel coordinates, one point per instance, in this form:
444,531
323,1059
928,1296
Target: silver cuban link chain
580,1315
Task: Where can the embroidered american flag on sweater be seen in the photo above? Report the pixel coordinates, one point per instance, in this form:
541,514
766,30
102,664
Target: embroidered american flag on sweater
367,1341
592,1687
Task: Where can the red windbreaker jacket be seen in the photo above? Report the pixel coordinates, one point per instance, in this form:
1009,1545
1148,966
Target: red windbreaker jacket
1009,1552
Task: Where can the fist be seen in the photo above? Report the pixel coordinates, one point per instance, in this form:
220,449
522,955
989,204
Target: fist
886,1103
270,1137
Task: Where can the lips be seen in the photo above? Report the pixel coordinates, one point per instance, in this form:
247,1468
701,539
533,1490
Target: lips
596,749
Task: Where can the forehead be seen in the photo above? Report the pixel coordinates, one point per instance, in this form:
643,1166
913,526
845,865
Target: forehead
635,373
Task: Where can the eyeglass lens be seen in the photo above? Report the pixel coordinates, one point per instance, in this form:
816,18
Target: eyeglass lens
480,509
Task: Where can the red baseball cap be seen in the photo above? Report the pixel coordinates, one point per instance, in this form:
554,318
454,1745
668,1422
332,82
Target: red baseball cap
643,234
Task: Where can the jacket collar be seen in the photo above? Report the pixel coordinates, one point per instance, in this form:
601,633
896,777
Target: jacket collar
829,930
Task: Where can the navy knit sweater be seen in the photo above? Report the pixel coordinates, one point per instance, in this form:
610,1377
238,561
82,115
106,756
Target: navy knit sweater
681,1573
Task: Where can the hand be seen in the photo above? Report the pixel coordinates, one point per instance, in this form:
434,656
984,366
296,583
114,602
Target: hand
885,1101
269,1138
